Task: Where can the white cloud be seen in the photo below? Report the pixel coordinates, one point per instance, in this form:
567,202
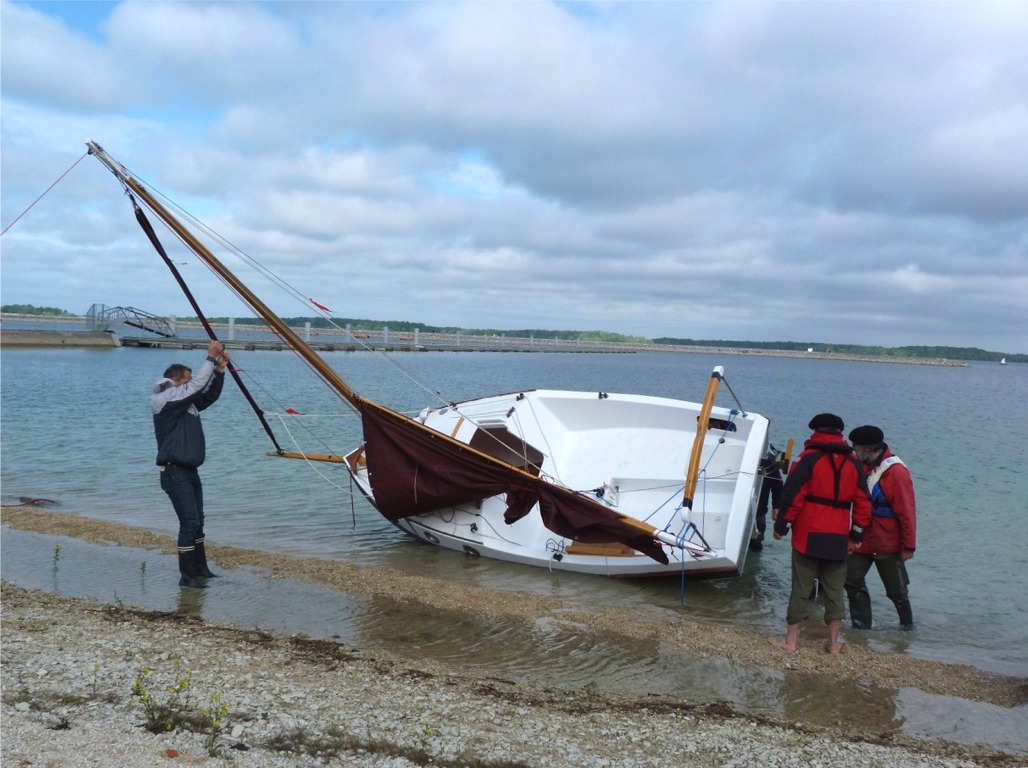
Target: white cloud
854,173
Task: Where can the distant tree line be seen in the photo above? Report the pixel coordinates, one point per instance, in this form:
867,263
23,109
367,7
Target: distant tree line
949,353
31,309
404,326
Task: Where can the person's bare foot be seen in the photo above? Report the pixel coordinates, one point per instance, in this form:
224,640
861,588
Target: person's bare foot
783,644
834,649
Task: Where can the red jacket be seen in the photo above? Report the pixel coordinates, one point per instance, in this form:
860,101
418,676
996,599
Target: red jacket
825,496
894,515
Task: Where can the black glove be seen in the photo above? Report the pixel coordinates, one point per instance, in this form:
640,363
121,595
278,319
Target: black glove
781,527
856,534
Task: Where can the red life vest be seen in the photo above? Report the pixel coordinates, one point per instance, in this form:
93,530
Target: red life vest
825,496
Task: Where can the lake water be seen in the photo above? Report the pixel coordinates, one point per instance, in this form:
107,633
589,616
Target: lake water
76,428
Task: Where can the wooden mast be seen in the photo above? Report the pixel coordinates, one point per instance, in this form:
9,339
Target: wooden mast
286,333
330,375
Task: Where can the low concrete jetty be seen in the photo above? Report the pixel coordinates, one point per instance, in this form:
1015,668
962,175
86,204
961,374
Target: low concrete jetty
27,338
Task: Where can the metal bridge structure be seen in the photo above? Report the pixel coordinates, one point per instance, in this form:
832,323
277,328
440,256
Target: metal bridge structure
102,317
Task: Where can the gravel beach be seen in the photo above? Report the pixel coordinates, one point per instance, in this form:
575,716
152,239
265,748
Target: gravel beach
70,666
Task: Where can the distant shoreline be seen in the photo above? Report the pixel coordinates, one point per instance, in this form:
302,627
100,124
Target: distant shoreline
405,341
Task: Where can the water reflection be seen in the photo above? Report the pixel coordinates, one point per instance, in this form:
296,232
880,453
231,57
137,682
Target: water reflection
552,652
190,602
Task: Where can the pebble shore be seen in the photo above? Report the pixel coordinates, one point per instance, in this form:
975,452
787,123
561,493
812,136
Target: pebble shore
68,668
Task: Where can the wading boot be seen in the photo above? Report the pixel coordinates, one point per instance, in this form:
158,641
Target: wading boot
860,611
201,562
187,567
906,614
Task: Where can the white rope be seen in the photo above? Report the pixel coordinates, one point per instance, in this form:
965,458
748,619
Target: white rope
311,464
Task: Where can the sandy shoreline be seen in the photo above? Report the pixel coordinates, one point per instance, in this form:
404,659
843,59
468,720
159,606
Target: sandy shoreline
734,645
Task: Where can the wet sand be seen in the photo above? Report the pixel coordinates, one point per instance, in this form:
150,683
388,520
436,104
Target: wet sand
736,645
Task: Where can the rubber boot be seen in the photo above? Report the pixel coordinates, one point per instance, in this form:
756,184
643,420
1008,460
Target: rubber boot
187,567
860,611
201,562
906,614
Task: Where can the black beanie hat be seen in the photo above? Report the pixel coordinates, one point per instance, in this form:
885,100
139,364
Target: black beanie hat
826,421
867,435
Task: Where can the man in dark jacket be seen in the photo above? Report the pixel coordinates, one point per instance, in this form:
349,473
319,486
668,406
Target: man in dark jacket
178,397
770,494
826,502
892,537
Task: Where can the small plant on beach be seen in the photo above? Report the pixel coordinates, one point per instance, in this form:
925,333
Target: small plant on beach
57,555
216,714
142,569
161,716
95,686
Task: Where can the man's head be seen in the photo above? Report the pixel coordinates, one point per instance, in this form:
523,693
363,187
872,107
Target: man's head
828,423
178,373
868,442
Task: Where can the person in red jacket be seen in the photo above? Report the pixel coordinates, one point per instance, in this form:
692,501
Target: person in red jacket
826,502
892,537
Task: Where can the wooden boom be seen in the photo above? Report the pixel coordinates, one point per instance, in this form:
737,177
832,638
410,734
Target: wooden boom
329,457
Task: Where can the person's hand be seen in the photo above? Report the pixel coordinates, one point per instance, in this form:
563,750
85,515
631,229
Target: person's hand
223,360
774,514
906,554
215,348
777,535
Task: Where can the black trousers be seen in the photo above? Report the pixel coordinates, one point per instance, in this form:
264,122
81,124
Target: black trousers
893,572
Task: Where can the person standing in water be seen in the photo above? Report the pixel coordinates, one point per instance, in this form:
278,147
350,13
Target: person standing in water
177,399
892,537
826,502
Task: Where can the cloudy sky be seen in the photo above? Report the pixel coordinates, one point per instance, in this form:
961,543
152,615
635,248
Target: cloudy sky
832,172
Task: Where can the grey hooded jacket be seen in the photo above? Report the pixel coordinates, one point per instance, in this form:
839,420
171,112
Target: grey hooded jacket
176,415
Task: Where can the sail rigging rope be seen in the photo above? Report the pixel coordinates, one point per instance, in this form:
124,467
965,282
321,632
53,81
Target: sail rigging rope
313,465
257,266
33,203
285,286
144,223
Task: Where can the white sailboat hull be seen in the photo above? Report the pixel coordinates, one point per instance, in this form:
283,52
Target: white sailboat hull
632,449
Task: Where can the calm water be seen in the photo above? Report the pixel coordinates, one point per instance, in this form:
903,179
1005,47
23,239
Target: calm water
76,428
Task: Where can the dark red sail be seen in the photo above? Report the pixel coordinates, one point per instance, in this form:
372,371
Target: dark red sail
413,470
